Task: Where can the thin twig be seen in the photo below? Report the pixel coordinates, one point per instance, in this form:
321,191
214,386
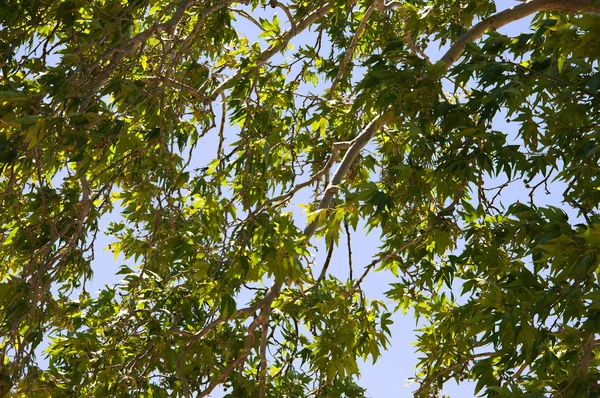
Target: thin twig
347,228
335,148
429,379
352,47
287,12
415,48
281,44
248,17
263,358
388,256
518,373
323,273
189,89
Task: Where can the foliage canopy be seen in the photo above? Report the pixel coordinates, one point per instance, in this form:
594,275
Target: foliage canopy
109,109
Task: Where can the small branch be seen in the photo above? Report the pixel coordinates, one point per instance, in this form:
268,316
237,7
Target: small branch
286,366
588,355
518,373
84,210
237,314
414,48
352,46
286,37
392,4
513,14
326,265
128,48
430,378
544,182
184,382
388,256
584,364
263,358
248,17
350,271
241,358
287,12
264,303
335,150
356,146
261,304
447,209
175,83
182,333
220,153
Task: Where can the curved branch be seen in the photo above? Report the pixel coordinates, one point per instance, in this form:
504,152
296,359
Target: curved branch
85,206
286,37
356,146
514,14
263,358
237,314
265,304
248,17
245,352
128,48
518,373
287,12
327,262
386,257
335,149
431,378
352,46
175,83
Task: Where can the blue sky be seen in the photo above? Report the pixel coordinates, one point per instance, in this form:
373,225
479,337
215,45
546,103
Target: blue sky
387,377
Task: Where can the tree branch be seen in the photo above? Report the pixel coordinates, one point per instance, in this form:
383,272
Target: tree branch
350,51
335,150
128,48
588,355
262,380
327,262
381,259
245,352
518,373
356,146
84,210
430,378
286,37
175,83
514,14
348,239
287,12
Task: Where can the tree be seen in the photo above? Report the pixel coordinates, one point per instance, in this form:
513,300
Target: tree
107,108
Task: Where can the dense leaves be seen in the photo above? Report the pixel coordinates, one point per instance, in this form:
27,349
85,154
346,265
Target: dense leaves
196,128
